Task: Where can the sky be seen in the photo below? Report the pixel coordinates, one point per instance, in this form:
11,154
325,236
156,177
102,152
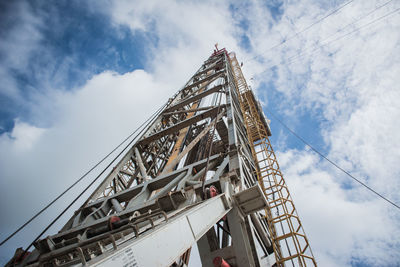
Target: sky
78,77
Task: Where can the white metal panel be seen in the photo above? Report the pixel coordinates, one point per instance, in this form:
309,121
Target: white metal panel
162,246
206,214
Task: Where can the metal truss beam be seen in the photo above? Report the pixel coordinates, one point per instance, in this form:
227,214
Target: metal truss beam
204,115
194,98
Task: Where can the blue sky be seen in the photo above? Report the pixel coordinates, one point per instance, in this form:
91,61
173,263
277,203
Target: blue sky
79,44
77,77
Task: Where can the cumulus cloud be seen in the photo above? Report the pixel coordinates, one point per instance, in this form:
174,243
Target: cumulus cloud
23,136
186,33
341,229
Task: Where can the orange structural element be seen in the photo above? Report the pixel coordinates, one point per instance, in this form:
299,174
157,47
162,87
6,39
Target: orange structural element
289,240
182,133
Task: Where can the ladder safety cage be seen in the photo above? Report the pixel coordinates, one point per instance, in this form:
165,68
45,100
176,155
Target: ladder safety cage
290,243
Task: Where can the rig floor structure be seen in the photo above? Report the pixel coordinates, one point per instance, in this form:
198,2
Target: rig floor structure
204,172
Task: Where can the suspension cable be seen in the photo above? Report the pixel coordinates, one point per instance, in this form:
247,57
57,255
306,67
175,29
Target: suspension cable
331,162
301,31
81,178
148,121
326,41
75,183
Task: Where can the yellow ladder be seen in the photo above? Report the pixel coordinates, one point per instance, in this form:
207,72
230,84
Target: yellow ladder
289,241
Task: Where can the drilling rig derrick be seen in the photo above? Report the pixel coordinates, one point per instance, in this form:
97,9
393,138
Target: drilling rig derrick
203,172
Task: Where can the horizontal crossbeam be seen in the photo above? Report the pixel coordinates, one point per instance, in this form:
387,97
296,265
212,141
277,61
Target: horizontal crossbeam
189,100
209,113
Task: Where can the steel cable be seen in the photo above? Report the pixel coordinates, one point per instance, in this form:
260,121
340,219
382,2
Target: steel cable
70,187
300,32
147,122
81,178
330,161
318,47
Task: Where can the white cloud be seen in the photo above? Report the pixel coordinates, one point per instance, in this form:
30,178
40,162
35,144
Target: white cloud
186,32
17,43
25,36
22,137
339,228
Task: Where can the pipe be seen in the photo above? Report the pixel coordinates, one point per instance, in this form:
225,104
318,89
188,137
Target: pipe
116,205
262,232
141,166
169,186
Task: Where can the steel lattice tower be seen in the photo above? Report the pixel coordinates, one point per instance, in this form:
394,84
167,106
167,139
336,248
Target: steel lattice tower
203,171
